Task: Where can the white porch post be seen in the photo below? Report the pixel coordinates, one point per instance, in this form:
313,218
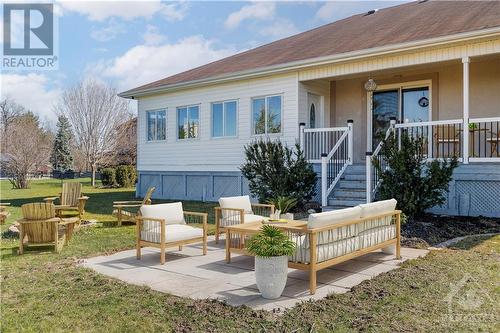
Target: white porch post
324,179
368,176
350,141
465,62
302,126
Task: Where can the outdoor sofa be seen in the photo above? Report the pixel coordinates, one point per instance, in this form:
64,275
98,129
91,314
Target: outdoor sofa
339,235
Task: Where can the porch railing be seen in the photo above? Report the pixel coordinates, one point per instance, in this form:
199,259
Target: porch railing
333,148
317,141
475,140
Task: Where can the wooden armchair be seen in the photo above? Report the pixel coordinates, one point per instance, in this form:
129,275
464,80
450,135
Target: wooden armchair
121,209
40,226
165,225
70,199
237,210
3,212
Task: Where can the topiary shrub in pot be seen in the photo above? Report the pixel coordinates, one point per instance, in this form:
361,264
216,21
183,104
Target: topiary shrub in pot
271,248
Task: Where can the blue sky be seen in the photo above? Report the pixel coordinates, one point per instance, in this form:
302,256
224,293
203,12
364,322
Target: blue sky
129,43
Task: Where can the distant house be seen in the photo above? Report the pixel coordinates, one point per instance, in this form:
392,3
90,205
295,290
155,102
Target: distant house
432,65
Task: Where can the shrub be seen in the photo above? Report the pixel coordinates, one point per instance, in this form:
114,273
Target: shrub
108,177
270,242
284,204
126,175
409,178
275,170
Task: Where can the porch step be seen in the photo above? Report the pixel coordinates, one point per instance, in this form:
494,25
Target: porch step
355,176
345,202
351,184
349,193
356,169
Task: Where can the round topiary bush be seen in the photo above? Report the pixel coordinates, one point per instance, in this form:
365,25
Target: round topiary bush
108,177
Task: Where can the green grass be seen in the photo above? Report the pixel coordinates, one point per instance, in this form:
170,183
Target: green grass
47,292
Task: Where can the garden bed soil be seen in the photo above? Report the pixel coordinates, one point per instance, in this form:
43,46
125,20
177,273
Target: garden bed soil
434,229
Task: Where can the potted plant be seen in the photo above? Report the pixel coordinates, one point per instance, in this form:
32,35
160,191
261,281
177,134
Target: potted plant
271,248
284,204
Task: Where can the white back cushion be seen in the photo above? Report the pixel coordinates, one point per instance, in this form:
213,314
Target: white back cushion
171,212
319,220
242,202
378,208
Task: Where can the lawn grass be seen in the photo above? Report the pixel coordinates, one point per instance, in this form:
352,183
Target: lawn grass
47,292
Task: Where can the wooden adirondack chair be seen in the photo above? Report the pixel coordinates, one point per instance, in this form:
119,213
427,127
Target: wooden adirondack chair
70,199
3,211
126,215
40,226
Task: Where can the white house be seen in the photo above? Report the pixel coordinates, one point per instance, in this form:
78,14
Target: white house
434,66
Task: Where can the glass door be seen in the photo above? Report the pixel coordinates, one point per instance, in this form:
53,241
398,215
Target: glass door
415,104
385,106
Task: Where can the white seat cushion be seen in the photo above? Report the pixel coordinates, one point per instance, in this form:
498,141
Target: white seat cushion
377,235
247,218
325,251
173,233
335,217
241,202
172,213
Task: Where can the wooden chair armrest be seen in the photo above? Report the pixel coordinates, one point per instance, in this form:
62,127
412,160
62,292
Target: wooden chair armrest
124,206
4,203
131,202
83,197
24,221
262,205
50,199
232,209
152,219
195,213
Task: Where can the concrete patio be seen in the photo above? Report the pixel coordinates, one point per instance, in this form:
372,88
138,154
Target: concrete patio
187,273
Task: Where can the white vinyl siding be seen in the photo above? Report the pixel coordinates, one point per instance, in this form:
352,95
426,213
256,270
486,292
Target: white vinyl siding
206,153
156,125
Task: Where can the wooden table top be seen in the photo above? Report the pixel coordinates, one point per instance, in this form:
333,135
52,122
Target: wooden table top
253,227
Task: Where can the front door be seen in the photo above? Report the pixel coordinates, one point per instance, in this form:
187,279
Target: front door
313,110
406,104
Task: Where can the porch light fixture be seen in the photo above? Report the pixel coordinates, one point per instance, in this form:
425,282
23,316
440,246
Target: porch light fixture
370,85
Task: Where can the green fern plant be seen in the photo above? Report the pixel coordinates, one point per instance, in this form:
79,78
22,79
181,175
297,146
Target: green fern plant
270,242
283,203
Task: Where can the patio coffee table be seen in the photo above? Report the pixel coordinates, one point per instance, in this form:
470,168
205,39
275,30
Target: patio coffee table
236,234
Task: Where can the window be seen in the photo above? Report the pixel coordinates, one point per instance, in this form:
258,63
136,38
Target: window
156,125
266,115
188,122
224,119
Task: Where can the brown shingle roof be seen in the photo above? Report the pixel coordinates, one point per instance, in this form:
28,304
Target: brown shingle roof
403,23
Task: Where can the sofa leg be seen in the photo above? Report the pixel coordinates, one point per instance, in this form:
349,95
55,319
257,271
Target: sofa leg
312,281
138,251
162,255
217,236
180,247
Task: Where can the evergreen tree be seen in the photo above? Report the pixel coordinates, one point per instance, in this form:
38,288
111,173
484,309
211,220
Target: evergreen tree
61,157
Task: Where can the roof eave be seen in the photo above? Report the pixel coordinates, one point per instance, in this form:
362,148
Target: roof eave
341,57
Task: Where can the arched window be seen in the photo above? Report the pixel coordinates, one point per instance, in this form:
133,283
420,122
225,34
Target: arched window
312,116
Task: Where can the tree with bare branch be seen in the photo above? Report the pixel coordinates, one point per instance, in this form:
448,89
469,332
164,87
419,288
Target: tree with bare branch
95,112
28,149
9,111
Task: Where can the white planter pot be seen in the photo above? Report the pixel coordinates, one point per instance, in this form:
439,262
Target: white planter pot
271,274
288,216
391,249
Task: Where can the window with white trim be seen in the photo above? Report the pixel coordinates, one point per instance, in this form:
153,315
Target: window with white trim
156,125
188,122
224,119
266,115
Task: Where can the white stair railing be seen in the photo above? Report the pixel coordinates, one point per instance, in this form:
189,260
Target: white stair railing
372,174
334,163
316,141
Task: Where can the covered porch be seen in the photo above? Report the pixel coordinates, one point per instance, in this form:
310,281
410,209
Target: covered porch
454,105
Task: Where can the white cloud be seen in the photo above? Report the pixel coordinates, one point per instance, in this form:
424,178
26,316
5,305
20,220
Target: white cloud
152,36
257,11
280,28
127,10
32,91
109,32
146,63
